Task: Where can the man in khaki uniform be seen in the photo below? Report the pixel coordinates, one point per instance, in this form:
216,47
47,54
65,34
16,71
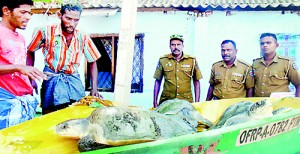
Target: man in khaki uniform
177,69
230,77
272,72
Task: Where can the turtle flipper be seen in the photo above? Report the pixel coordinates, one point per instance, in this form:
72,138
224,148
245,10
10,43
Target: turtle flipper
88,143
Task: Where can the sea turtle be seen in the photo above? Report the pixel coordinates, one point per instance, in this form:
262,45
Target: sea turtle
245,111
185,110
115,126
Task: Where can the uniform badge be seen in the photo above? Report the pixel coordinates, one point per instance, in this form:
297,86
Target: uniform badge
185,66
237,74
158,65
251,73
169,64
295,66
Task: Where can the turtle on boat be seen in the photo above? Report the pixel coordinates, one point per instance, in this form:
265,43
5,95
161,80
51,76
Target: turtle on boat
115,126
245,111
185,110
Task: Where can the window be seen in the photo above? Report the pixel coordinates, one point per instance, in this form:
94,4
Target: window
107,46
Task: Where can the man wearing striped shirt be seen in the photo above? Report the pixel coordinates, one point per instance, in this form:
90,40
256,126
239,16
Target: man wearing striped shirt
63,46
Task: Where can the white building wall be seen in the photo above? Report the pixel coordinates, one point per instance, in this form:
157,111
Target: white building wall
203,36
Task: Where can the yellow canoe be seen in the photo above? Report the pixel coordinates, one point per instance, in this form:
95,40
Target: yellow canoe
37,135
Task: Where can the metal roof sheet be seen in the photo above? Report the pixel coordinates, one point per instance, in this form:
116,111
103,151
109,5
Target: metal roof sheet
183,4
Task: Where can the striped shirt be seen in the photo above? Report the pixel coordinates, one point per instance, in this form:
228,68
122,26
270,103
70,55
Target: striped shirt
58,56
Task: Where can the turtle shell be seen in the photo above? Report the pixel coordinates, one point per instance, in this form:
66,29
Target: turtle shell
115,126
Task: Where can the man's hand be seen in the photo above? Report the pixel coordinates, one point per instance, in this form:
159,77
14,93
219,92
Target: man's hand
32,72
94,92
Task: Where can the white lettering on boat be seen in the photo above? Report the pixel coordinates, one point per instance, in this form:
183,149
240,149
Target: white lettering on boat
251,135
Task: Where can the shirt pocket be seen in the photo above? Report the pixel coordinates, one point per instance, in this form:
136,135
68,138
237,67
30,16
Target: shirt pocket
53,47
187,73
277,78
257,74
169,73
54,42
219,79
237,81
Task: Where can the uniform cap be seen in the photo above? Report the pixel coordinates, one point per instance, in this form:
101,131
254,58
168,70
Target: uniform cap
176,37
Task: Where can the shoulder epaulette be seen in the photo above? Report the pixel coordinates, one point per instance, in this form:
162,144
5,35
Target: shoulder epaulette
257,59
243,62
285,58
193,57
164,56
217,62
189,56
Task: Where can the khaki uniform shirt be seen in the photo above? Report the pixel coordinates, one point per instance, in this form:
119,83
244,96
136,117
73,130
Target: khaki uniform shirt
231,82
177,76
275,77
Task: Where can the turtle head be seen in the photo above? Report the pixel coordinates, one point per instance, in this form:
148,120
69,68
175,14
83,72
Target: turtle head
75,128
261,109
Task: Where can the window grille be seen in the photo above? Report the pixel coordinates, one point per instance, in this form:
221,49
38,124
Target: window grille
107,46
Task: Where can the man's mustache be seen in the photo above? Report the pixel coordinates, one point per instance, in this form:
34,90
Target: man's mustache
69,27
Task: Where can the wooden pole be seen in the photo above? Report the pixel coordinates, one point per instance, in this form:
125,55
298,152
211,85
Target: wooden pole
125,52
